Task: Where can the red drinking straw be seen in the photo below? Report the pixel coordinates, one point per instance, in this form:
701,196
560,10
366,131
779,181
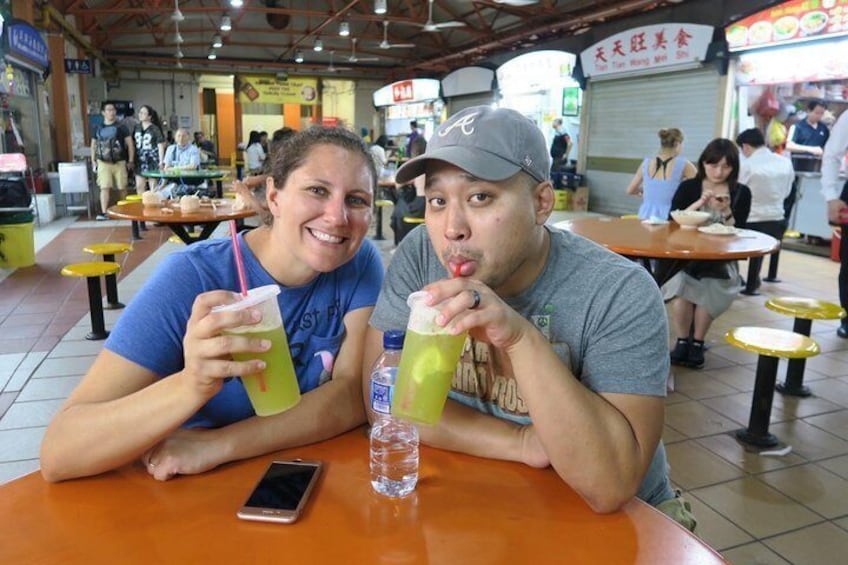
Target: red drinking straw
263,387
456,268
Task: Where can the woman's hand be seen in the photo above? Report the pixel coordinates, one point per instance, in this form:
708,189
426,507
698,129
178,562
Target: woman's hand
185,452
469,305
208,351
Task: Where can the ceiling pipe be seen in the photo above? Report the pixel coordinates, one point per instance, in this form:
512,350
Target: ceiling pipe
50,14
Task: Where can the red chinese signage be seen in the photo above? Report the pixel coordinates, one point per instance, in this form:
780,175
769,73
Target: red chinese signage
790,22
646,48
402,91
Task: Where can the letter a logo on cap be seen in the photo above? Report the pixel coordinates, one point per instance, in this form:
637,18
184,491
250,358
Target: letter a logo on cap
463,124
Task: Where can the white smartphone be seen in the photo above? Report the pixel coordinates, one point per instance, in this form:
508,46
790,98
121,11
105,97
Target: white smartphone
282,492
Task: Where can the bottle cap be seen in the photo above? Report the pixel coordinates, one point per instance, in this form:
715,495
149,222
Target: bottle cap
393,339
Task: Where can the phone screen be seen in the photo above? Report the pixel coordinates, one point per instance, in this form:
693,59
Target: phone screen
283,486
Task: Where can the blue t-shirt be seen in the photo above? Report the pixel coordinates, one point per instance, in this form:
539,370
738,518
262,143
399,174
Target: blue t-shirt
150,332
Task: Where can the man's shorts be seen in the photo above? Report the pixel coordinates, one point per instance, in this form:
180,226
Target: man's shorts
112,175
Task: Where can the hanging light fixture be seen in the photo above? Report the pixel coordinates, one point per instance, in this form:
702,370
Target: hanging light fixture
179,54
298,56
226,23
379,6
344,28
236,3
212,55
217,41
319,45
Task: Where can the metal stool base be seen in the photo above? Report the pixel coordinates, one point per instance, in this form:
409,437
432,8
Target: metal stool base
755,440
786,389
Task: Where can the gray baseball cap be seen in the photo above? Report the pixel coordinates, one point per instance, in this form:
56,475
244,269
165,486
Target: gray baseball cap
491,144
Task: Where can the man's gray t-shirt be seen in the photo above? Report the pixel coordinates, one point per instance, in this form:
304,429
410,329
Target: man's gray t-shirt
603,316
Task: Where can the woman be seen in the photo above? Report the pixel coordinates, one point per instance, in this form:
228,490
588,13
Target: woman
251,190
254,154
705,289
149,147
160,390
378,153
657,179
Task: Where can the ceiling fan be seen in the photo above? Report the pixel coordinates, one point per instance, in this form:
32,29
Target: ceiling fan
331,68
430,26
385,43
353,58
516,2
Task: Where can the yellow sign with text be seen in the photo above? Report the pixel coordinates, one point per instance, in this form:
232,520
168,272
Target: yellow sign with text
270,90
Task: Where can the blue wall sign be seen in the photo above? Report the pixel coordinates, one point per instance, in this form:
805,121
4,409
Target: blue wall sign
79,66
25,40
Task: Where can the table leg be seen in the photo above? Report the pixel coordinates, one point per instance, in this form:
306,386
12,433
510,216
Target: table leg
134,228
794,383
219,188
181,232
772,270
379,231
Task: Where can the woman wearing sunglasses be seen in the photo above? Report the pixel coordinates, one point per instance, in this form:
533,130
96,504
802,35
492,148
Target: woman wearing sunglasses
703,290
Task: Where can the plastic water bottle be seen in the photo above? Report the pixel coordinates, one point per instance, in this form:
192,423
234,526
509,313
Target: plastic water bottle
394,442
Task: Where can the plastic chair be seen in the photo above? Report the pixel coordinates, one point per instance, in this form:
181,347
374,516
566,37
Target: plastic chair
17,163
804,310
74,179
771,345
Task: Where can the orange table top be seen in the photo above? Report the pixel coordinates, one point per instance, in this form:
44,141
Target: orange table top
465,510
630,237
206,214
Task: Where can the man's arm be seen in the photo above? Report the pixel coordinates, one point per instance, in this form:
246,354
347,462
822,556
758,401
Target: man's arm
130,143
94,154
794,147
834,153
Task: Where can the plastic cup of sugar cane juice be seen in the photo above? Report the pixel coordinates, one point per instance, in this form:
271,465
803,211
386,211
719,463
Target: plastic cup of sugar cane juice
275,389
427,365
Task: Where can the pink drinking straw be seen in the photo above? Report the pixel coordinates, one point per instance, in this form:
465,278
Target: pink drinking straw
239,260
243,285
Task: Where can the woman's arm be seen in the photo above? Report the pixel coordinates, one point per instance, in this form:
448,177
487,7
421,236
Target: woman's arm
689,170
635,186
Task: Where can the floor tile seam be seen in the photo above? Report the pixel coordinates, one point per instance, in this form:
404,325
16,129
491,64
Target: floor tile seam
822,520
750,473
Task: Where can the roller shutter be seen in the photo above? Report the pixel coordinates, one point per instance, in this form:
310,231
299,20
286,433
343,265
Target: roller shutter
623,120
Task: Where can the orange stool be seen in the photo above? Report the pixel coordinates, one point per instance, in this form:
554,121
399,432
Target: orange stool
108,251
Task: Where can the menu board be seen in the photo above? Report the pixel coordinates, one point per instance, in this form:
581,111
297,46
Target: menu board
269,90
797,20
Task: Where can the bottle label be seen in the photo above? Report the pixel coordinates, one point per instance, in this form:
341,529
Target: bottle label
381,397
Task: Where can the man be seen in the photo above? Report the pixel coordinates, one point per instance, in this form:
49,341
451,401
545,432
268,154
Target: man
184,155
836,195
805,141
567,359
112,155
770,178
413,135
560,146
206,148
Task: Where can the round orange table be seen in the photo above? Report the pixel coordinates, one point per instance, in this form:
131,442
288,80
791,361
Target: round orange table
207,216
465,510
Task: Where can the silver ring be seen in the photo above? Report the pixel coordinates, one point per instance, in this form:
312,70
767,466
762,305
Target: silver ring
151,464
476,296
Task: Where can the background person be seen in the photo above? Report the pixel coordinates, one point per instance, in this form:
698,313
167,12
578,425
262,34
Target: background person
112,156
208,156
805,140
150,147
704,290
770,178
254,154
252,188
560,146
414,134
410,198
836,195
567,360
657,179
160,390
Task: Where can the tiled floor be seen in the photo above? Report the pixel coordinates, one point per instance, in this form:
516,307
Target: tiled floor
755,509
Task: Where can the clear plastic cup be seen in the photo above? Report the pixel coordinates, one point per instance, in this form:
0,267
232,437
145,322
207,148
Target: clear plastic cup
275,389
427,365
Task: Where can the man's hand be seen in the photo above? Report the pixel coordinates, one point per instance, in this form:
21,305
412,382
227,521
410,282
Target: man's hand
835,210
185,452
817,151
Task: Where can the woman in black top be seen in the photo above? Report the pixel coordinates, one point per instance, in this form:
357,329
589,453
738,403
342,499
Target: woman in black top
705,289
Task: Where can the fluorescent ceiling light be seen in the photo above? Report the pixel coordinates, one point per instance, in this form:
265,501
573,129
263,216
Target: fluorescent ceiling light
298,57
226,23
319,45
212,56
236,3
379,6
344,29
217,41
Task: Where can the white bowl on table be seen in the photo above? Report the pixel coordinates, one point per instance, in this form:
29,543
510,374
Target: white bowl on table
689,219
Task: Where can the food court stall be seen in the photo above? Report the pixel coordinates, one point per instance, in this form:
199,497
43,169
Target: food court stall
468,86
785,57
406,100
639,81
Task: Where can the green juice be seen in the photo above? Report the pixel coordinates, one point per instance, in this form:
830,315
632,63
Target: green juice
427,366
281,390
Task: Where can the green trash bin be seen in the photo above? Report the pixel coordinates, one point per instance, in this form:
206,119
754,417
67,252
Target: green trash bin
17,241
